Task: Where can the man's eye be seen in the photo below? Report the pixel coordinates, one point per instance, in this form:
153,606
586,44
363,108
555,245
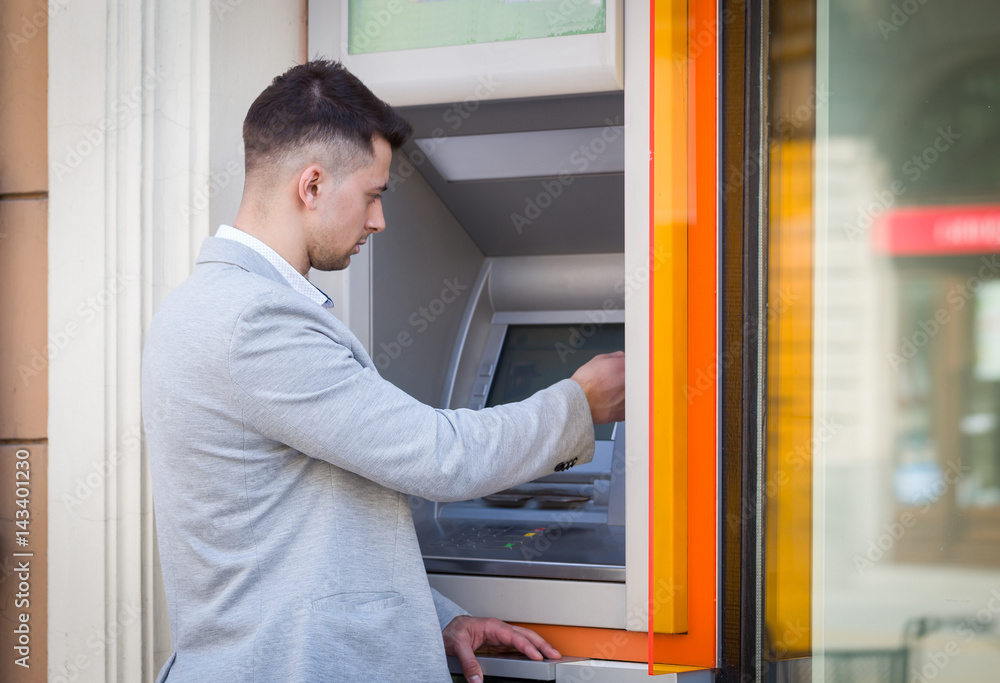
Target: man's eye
376,197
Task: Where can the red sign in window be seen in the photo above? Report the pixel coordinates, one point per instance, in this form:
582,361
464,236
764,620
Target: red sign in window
924,230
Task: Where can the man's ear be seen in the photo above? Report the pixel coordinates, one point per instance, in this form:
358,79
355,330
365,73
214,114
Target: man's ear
309,185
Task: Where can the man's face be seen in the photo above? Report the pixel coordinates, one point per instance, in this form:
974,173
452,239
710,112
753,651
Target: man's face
348,211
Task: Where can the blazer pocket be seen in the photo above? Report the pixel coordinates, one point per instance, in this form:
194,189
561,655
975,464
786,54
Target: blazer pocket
358,602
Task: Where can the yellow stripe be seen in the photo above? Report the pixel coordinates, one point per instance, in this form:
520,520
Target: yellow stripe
788,575
669,318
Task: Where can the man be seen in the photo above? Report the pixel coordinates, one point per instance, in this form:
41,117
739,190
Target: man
281,471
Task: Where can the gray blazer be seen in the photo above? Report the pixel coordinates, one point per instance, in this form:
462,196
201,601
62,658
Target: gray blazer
281,461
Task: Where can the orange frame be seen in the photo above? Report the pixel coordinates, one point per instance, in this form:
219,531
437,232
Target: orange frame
691,86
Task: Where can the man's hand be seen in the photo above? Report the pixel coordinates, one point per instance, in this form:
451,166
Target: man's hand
464,635
603,381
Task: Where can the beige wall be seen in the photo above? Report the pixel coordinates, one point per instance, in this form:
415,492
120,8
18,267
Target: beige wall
23,344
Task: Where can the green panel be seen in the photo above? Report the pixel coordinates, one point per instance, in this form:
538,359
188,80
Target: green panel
388,25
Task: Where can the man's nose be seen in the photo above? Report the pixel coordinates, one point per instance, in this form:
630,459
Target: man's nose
376,219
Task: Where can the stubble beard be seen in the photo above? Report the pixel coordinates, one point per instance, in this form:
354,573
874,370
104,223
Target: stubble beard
328,261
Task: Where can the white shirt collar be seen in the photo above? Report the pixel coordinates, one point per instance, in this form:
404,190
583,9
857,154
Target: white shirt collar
292,277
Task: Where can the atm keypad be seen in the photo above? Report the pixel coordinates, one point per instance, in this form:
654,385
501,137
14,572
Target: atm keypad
489,537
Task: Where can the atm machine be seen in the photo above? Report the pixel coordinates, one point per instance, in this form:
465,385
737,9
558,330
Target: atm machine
530,322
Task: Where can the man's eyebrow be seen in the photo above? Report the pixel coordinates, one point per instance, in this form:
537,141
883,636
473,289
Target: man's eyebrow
382,188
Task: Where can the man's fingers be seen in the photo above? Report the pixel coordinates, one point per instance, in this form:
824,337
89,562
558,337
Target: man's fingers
513,636
525,646
540,643
462,649
603,381
460,640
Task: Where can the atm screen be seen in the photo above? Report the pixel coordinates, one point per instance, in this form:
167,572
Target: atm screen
536,356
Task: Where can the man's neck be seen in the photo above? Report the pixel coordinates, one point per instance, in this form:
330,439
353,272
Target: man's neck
283,241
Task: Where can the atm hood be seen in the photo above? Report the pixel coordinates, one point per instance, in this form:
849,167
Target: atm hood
526,177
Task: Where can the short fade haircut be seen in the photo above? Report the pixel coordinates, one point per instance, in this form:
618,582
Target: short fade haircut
319,103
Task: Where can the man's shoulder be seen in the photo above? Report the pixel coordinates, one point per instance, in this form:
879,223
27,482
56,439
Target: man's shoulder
223,290
220,300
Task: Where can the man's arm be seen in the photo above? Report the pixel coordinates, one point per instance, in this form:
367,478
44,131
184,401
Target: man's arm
299,385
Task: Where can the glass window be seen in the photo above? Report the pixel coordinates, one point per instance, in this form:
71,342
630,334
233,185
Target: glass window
884,348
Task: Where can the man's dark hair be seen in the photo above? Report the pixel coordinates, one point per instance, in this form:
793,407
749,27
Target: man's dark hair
319,102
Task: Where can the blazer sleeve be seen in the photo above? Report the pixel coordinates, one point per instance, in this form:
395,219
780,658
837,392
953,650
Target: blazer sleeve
298,384
446,609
